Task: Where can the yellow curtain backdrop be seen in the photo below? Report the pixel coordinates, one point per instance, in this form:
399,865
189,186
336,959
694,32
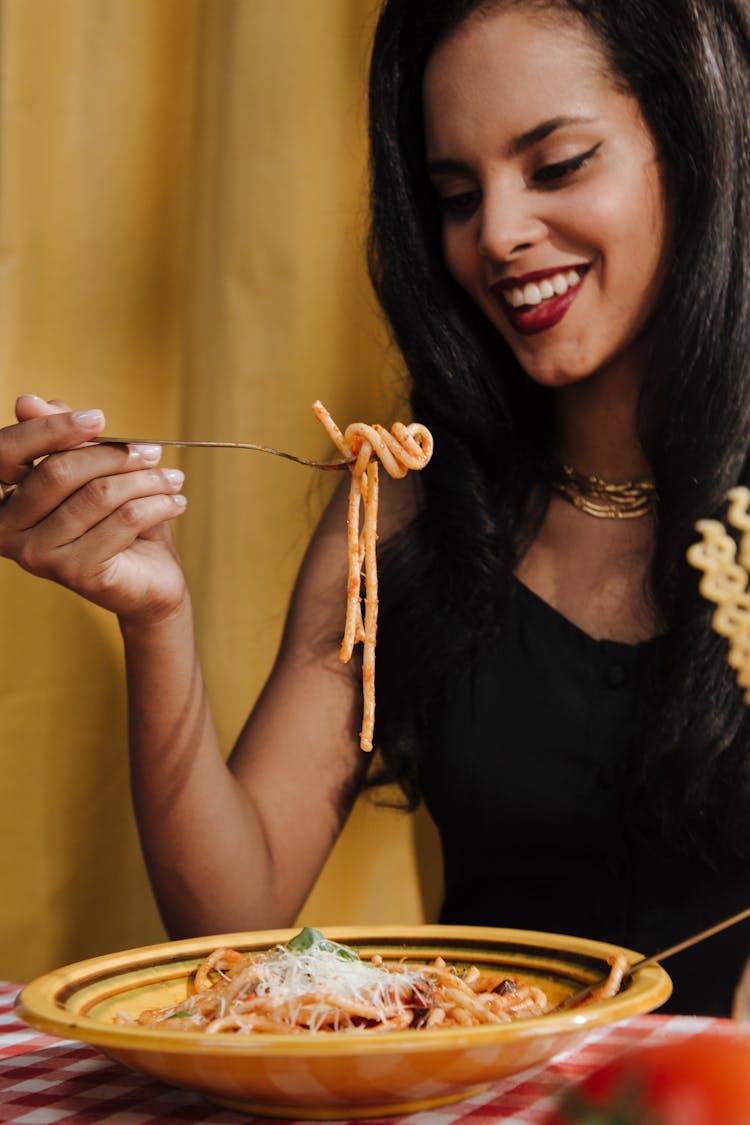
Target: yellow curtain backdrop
182,214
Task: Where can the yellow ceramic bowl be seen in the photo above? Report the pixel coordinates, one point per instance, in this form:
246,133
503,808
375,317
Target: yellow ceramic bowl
347,1074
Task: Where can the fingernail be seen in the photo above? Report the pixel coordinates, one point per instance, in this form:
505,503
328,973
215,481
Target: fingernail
88,419
146,454
174,476
180,500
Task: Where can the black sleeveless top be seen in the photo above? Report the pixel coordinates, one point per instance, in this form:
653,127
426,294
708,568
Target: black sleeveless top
527,781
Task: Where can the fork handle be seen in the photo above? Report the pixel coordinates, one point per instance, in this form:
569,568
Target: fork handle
106,440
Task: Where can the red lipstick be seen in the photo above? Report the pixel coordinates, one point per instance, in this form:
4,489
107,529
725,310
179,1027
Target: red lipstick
531,319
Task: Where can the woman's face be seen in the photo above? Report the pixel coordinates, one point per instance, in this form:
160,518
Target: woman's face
550,189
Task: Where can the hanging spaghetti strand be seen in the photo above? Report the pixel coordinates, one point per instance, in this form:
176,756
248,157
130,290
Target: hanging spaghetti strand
402,448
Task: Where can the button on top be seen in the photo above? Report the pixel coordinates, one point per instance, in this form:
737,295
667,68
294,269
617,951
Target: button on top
615,674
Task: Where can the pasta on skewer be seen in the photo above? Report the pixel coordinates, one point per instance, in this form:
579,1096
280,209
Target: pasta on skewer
402,448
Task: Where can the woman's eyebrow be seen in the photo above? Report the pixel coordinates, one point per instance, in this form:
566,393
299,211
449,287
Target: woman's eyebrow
518,145
543,130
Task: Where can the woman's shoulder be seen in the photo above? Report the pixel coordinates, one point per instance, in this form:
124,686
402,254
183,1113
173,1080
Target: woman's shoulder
323,575
399,501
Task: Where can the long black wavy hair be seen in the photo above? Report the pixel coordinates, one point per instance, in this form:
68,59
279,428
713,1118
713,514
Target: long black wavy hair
446,578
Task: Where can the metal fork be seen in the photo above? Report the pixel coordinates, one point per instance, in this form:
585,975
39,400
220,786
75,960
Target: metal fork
653,958
341,463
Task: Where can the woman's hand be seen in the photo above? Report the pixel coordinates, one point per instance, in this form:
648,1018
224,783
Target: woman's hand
91,517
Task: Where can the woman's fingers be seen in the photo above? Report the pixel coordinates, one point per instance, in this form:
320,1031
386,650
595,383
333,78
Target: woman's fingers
79,485
91,516
92,542
39,434
32,406
113,511
87,562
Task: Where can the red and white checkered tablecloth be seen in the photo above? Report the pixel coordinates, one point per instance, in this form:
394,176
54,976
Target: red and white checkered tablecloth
45,1080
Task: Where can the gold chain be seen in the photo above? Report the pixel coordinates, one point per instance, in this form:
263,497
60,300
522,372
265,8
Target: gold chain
603,499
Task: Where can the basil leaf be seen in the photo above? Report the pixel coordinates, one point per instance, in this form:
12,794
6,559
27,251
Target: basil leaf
309,938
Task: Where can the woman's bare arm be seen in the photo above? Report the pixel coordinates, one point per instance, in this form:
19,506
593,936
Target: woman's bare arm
240,847
227,847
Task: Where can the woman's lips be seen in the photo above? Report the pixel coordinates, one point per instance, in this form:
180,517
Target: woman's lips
529,319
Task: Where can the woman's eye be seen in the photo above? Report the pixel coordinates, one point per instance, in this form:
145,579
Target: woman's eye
460,204
554,173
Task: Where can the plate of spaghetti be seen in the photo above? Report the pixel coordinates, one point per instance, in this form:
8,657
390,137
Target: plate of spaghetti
359,1022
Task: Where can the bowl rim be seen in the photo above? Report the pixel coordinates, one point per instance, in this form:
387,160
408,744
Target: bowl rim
42,1002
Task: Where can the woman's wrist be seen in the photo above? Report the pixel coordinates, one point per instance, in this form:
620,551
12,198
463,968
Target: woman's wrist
154,622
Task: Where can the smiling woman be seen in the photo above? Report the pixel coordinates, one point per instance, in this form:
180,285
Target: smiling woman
559,221
546,218
560,240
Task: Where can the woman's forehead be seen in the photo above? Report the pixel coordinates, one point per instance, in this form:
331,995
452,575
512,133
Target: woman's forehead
510,67
552,29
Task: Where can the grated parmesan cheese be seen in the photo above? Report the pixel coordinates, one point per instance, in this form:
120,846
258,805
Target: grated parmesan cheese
315,977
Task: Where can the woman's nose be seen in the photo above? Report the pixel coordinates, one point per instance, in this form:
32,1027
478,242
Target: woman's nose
509,224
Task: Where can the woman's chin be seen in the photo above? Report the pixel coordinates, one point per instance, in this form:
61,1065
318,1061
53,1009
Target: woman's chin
555,376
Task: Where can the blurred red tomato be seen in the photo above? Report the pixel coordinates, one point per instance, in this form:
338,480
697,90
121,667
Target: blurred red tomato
704,1080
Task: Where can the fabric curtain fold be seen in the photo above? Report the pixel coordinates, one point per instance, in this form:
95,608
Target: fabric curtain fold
182,224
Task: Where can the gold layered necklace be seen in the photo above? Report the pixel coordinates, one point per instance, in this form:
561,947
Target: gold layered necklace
601,498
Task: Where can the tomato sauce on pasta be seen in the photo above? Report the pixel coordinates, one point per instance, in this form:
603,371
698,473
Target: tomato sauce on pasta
402,448
320,986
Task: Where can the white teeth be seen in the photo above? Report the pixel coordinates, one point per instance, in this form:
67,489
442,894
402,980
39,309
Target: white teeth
533,294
